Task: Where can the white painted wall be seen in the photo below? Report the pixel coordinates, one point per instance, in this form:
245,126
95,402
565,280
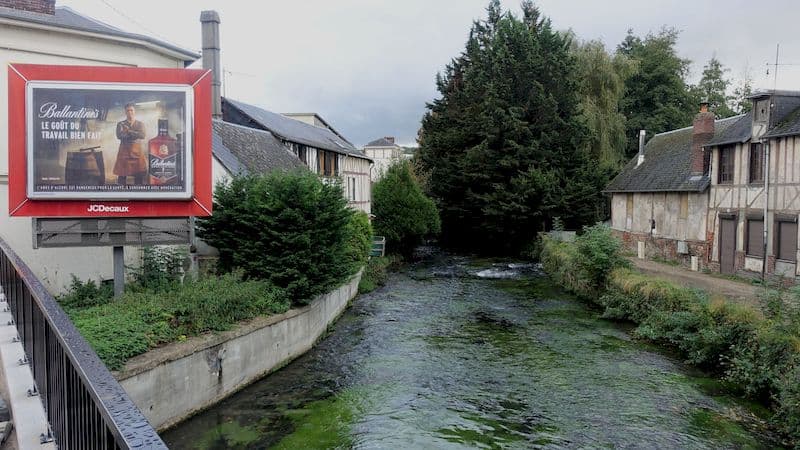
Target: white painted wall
28,44
383,158
664,208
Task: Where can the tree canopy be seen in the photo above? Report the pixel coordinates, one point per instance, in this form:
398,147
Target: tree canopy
505,144
657,98
713,88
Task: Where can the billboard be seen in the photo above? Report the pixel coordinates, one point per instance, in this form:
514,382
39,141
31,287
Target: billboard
109,141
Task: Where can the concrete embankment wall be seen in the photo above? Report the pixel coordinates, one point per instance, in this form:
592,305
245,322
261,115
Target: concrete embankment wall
170,384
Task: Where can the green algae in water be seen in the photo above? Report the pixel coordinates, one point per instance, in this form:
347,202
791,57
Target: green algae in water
228,435
722,429
328,423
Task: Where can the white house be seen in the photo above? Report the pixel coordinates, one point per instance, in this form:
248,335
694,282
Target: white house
384,152
38,32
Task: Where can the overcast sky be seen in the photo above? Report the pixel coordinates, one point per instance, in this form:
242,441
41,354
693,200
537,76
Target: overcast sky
368,67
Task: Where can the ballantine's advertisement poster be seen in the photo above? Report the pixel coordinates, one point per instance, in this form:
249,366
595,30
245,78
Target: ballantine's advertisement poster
109,141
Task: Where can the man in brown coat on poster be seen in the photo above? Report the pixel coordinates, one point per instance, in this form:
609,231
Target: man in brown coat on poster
131,160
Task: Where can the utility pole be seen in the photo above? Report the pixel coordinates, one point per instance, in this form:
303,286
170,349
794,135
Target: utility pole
766,174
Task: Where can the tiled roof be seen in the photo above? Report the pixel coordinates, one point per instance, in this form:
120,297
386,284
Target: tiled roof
788,127
667,164
257,151
225,156
382,142
69,19
738,132
289,129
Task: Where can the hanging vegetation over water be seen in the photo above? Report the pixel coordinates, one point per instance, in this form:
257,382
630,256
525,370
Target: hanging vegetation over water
757,350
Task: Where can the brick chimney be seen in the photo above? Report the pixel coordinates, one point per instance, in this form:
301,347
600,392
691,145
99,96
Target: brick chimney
37,6
702,132
389,139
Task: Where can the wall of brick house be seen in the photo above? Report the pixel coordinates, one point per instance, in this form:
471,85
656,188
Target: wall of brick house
665,248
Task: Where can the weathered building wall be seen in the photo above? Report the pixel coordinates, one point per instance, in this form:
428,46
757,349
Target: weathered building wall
356,182
674,222
43,45
745,199
172,383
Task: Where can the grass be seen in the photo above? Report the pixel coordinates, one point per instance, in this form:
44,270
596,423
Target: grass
119,329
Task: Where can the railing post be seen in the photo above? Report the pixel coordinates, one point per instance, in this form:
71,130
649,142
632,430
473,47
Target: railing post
86,407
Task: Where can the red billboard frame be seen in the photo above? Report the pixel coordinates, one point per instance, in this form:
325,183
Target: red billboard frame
18,202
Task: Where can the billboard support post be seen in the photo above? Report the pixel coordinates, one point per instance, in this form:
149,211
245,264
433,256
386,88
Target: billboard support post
119,270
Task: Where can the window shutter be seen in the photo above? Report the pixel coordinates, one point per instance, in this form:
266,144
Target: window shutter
755,237
787,241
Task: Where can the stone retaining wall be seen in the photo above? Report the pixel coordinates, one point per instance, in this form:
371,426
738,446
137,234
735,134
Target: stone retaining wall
171,383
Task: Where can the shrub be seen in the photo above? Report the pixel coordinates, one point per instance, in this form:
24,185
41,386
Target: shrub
402,211
787,400
600,253
161,267
376,273
359,240
143,319
84,294
288,228
583,267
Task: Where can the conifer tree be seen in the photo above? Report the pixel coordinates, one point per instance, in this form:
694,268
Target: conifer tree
713,88
657,98
504,141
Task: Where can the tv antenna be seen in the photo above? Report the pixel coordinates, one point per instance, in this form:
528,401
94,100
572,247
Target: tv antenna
777,64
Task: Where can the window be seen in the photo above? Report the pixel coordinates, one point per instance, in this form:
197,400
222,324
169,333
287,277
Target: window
328,163
683,213
755,237
786,239
756,163
353,183
726,164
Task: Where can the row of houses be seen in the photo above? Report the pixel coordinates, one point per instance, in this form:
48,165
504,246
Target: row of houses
246,138
707,193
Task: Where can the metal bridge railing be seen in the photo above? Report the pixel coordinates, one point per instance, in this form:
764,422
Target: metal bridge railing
85,405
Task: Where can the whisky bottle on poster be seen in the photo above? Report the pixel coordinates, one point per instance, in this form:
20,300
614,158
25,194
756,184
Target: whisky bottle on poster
163,156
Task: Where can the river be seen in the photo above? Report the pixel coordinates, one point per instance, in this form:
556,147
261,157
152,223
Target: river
444,357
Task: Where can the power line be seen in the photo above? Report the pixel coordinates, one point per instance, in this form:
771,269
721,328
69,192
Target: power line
121,13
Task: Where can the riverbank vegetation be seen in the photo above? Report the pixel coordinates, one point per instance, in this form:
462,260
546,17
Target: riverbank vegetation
290,229
755,348
403,213
283,238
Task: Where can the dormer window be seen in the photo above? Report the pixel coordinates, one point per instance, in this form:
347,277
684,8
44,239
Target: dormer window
761,112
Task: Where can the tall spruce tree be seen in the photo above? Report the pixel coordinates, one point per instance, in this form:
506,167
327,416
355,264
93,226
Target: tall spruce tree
504,142
657,97
713,88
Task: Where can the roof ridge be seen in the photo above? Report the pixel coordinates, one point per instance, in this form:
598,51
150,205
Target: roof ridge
716,121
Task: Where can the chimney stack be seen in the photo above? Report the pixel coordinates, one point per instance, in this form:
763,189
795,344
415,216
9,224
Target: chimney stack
37,6
702,132
209,21
640,158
